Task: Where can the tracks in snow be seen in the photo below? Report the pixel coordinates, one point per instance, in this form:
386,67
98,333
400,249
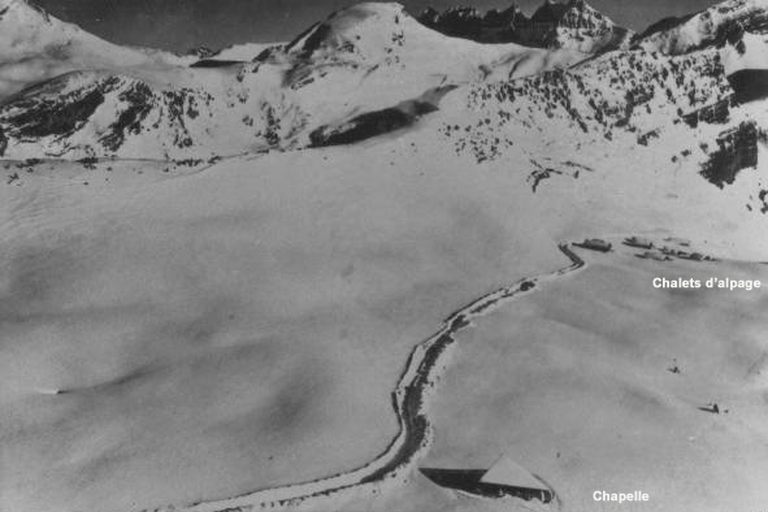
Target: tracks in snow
410,400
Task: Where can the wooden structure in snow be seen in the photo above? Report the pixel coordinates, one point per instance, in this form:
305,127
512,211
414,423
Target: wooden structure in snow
505,478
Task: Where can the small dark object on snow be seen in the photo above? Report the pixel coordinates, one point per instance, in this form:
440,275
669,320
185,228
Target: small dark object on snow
638,242
712,408
595,244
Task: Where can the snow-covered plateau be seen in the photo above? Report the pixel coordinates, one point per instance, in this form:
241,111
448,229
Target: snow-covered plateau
288,276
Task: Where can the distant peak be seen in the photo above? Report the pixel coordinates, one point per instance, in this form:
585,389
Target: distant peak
550,12
22,8
370,9
555,24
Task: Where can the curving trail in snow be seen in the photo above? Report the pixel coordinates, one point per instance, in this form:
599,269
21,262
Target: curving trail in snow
425,365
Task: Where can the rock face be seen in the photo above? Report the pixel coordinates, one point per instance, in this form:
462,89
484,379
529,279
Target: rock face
574,25
750,84
736,151
467,22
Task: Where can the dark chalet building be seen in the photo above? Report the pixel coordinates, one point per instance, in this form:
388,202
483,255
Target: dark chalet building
504,479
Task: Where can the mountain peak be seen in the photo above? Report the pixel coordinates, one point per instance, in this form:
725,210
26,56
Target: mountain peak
362,31
36,46
573,24
22,11
549,12
571,13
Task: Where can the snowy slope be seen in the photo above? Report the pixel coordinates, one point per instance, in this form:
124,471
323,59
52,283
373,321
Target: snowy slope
280,292
750,51
178,340
374,55
713,25
243,52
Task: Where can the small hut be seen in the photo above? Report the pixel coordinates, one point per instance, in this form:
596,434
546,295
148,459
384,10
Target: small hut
596,244
636,241
516,480
505,478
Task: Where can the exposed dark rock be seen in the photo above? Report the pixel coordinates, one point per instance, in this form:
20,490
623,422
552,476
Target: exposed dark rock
61,116
750,84
763,196
645,138
312,39
202,52
716,113
139,101
737,150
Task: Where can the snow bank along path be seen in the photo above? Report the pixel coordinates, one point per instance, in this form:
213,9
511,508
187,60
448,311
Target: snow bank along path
410,399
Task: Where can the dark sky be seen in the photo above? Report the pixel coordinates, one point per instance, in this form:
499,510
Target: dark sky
183,24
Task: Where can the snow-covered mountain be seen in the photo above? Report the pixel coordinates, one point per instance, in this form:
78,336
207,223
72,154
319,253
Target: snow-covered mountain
35,46
373,69
365,58
575,25
712,26
381,174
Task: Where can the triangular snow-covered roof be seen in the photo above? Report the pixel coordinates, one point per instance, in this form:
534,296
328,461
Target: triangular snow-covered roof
508,473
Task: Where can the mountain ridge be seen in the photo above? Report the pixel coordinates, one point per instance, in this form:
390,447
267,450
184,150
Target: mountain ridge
712,26
365,71
573,24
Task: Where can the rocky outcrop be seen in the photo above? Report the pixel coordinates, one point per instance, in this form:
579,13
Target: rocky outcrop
32,116
3,143
750,84
467,22
717,113
574,25
737,150
620,92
